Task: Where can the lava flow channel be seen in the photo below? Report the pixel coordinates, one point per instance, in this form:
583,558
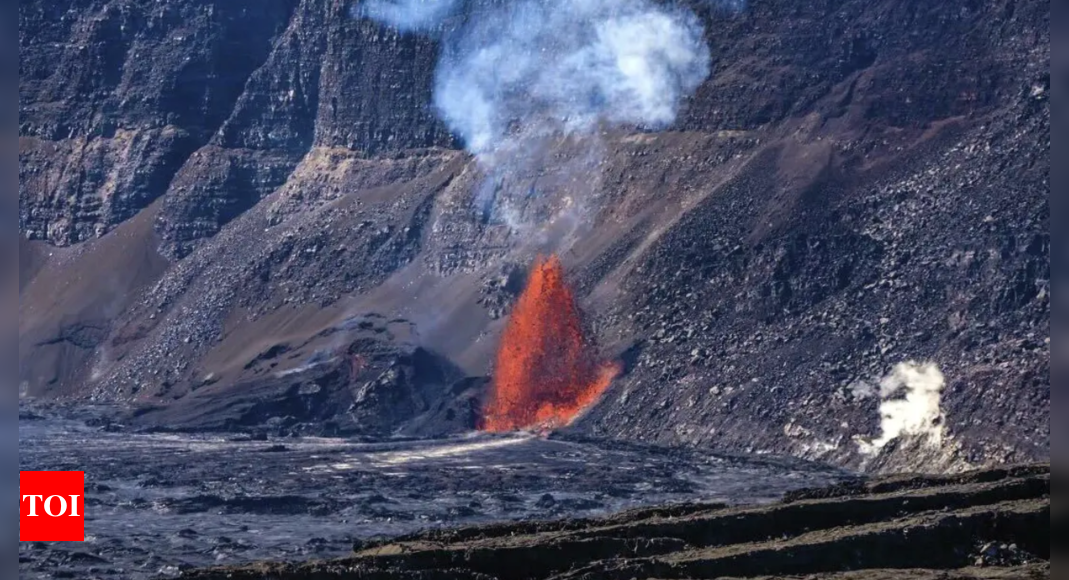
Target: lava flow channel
545,373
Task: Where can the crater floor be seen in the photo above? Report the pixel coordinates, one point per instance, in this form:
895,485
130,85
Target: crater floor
160,503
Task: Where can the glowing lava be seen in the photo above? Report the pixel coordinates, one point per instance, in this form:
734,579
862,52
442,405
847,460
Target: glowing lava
545,373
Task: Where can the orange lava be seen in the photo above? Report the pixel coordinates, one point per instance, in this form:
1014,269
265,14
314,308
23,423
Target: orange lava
545,373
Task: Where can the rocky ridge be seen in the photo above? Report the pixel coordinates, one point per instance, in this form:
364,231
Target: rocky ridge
990,524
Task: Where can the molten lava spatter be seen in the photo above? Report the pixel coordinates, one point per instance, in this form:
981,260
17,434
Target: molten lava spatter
545,373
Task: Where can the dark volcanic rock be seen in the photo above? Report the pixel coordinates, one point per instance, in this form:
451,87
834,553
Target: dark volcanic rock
115,97
160,502
785,312
858,184
933,530
372,386
213,102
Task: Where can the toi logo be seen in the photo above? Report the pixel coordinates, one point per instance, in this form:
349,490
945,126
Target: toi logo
52,506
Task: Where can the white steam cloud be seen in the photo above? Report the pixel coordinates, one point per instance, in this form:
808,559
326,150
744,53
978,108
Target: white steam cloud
513,71
409,15
918,414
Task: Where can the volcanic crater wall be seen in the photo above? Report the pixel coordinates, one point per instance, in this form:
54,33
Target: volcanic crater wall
856,185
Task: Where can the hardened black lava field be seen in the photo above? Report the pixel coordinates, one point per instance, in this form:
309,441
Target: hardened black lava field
157,504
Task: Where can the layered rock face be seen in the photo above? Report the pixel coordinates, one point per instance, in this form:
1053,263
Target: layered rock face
212,103
207,185
976,526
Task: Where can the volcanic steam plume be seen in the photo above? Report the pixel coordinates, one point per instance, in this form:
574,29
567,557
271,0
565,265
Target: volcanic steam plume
545,373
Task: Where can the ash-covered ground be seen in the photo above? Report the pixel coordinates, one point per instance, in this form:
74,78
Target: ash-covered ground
160,503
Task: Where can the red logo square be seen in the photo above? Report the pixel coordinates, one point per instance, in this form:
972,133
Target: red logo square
52,506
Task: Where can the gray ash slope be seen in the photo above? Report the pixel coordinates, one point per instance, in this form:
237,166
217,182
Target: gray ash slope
857,184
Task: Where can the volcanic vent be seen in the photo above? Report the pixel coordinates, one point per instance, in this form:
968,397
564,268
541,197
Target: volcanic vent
545,373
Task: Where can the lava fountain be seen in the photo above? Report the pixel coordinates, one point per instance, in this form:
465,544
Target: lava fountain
545,372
